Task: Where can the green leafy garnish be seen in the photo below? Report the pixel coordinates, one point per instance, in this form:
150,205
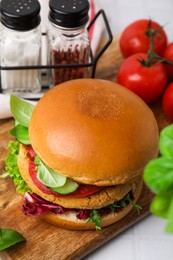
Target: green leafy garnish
166,142
95,217
123,203
160,205
20,132
47,176
135,205
12,168
9,237
55,181
169,227
21,110
158,175
95,213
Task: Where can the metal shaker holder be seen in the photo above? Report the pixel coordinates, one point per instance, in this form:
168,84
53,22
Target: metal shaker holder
92,64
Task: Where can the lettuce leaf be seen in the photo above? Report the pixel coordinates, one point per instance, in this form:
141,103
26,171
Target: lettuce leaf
12,169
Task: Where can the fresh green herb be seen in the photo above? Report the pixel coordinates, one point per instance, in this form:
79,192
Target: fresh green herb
47,176
9,237
12,168
169,227
126,200
158,176
160,205
20,132
53,180
166,142
95,217
114,206
21,110
136,206
123,203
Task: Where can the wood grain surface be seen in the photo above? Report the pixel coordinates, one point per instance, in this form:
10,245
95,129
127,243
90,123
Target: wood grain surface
45,241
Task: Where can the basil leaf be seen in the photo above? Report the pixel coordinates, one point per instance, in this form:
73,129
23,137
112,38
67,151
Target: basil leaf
9,237
166,142
20,132
158,175
16,123
21,110
169,227
48,176
37,160
160,205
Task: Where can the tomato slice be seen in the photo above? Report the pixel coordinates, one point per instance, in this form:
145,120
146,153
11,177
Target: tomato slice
82,191
30,152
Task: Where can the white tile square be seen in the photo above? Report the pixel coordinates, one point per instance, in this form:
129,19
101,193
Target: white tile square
156,249
151,226
115,250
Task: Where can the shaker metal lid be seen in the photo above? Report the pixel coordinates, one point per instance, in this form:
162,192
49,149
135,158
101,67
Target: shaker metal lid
21,15
69,13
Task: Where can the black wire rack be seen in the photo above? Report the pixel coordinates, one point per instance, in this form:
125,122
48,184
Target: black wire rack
93,59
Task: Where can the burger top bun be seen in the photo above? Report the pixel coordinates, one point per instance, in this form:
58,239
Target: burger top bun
94,131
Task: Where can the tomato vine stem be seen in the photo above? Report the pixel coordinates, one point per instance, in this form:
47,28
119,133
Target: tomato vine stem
153,57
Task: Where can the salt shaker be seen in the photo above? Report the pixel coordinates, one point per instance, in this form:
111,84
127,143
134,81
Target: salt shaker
68,41
20,45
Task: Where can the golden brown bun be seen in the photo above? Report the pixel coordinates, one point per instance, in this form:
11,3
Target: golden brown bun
94,131
100,199
69,221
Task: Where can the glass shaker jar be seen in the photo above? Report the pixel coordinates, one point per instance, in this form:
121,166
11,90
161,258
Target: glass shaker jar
20,45
68,41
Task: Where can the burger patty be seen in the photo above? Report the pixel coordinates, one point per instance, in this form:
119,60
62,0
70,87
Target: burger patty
106,196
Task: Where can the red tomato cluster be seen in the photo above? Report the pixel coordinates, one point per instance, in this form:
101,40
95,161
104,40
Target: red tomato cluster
134,40
152,81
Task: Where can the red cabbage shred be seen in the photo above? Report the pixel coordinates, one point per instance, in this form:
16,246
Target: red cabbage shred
34,205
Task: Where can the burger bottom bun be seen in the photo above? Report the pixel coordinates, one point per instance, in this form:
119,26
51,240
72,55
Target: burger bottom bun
69,220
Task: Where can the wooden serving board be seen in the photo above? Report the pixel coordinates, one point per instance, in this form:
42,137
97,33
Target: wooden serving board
45,241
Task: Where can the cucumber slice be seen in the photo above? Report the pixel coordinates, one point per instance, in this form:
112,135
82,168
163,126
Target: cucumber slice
69,187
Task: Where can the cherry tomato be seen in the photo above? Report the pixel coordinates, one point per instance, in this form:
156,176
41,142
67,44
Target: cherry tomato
168,54
147,82
134,40
167,101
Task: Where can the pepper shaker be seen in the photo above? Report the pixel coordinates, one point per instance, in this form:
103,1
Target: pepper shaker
20,45
68,41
